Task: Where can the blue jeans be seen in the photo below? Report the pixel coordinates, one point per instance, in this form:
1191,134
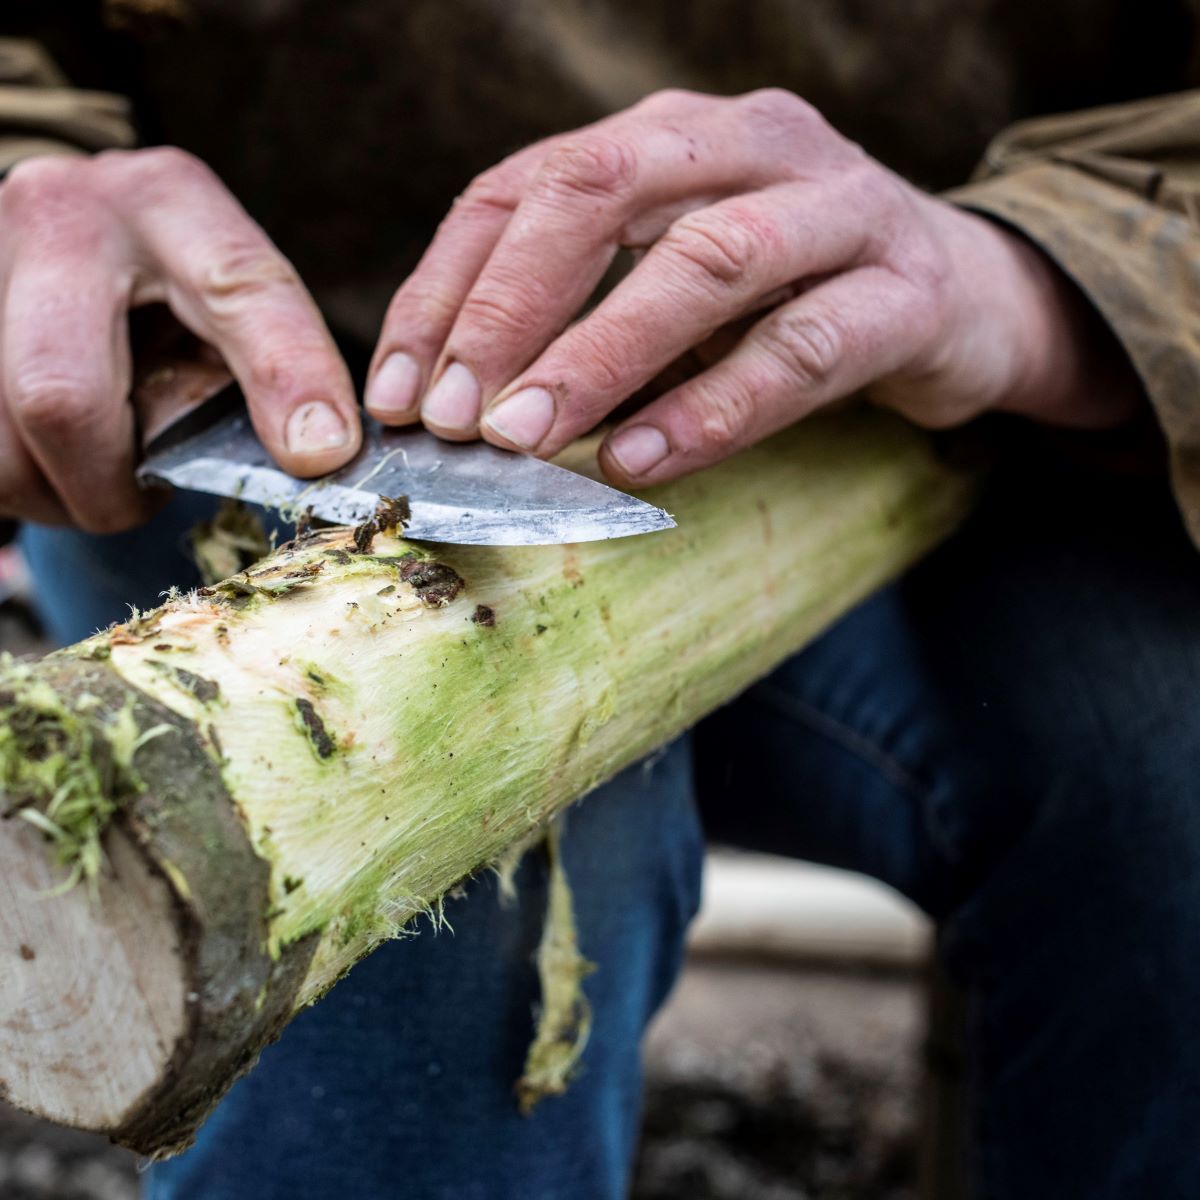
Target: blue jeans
1010,736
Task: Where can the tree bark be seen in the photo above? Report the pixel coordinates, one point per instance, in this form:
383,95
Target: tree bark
259,782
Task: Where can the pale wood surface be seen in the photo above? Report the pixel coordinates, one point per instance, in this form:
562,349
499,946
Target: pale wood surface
80,973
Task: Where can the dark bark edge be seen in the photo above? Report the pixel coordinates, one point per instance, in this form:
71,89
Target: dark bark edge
186,825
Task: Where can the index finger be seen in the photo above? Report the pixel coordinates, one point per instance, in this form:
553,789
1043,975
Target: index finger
591,195
224,279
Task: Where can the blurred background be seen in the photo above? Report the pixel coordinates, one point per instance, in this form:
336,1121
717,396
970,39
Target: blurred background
807,1053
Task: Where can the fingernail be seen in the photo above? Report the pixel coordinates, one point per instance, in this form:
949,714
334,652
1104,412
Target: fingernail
314,427
395,389
638,448
524,418
453,402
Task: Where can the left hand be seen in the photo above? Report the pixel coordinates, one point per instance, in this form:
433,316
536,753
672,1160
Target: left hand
742,207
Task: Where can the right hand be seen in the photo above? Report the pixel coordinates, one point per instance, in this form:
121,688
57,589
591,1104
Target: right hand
84,240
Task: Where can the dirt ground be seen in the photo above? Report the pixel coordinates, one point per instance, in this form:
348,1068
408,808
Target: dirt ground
763,1083
769,1083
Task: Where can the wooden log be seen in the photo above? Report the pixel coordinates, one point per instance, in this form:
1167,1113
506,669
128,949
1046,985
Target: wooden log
257,783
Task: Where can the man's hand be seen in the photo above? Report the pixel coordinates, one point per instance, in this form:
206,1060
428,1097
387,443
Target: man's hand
740,207
84,240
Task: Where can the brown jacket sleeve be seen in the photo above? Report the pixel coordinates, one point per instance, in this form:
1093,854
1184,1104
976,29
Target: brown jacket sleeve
40,114
1113,196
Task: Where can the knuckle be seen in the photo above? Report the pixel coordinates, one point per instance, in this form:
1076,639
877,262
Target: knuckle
287,362
50,404
808,346
603,353
485,196
725,248
34,177
719,418
670,100
420,313
154,175
596,166
160,165
40,191
240,270
777,107
495,312
270,370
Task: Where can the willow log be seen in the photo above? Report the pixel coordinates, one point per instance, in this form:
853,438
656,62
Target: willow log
253,785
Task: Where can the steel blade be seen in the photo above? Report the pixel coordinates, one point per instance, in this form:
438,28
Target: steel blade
466,492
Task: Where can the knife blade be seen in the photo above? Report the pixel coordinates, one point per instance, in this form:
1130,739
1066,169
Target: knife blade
471,493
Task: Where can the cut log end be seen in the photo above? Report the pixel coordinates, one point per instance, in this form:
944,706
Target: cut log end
79,969
131,1001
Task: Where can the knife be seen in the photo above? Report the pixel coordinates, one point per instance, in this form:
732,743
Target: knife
471,493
